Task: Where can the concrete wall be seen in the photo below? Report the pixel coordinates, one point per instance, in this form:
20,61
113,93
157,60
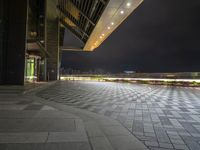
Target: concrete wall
52,40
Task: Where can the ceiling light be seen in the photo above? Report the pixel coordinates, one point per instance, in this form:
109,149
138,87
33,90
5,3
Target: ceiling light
100,37
96,43
112,23
108,28
121,12
128,4
103,34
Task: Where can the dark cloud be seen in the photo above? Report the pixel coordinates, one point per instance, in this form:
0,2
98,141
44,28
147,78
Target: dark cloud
160,36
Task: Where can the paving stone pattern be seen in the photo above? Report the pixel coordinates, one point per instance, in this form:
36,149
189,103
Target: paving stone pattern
29,125
163,118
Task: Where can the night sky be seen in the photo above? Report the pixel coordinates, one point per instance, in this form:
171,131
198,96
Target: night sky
159,36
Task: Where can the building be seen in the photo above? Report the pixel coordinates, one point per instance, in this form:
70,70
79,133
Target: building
32,33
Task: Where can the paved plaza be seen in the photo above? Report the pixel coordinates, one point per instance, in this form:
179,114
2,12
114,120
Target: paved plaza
163,118
28,122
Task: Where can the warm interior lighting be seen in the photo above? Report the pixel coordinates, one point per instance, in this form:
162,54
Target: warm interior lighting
103,34
108,28
121,12
112,23
100,37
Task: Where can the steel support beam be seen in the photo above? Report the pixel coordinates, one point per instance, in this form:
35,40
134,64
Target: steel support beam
67,14
84,15
72,30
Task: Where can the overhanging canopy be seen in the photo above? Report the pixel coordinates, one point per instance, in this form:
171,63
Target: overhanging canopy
92,21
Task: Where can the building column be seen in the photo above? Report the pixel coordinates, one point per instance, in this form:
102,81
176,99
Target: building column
1,42
52,40
14,41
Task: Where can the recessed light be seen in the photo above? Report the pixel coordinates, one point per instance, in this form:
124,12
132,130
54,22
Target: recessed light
128,4
108,28
103,34
121,12
100,37
112,23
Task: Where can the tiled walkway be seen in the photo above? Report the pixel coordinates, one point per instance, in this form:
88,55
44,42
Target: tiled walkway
161,117
29,125
28,122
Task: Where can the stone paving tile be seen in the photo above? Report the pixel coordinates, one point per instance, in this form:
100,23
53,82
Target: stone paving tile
93,130
66,137
150,143
181,147
115,130
100,143
46,146
166,145
37,125
125,143
12,107
25,137
155,114
34,107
